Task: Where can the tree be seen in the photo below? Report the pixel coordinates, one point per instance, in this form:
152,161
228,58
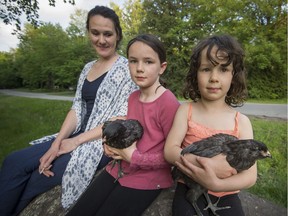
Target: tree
50,57
130,18
41,54
9,76
12,10
260,25
177,25
77,24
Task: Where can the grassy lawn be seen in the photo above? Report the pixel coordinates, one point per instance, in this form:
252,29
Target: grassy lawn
25,119
272,173
267,101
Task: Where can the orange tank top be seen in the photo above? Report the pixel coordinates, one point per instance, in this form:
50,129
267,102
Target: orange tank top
198,132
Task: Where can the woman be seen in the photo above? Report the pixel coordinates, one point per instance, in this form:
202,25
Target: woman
102,92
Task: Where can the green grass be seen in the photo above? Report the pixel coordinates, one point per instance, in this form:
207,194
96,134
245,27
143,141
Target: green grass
268,101
272,173
25,119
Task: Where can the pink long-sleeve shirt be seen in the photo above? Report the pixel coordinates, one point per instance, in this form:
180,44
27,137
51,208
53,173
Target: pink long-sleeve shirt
148,169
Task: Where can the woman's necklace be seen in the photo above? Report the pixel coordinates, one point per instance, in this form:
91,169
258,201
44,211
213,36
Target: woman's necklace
157,88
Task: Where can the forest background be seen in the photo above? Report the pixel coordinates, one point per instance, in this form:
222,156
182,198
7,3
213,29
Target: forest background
50,57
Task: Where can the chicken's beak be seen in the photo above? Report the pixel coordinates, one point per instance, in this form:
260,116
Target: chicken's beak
266,154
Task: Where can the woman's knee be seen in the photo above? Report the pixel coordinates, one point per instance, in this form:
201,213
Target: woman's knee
21,160
12,160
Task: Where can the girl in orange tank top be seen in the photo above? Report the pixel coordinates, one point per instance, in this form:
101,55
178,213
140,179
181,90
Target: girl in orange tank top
216,84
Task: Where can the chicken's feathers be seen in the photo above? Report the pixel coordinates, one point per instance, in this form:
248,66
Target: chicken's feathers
240,154
121,133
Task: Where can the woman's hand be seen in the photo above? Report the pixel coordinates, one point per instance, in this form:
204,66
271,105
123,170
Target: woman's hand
65,146
120,154
46,160
68,145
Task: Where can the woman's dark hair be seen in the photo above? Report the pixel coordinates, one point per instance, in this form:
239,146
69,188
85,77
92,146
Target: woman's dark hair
153,42
235,55
109,14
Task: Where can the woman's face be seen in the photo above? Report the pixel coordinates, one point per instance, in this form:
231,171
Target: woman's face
103,36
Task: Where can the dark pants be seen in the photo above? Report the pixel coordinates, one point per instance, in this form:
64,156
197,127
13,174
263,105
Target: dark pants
182,207
105,197
20,180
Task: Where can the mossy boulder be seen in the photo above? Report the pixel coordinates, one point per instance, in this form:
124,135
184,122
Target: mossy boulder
49,204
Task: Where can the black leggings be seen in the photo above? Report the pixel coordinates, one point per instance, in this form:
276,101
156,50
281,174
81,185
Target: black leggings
182,207
106,197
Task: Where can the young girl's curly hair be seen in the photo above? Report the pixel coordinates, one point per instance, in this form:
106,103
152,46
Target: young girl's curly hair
225,43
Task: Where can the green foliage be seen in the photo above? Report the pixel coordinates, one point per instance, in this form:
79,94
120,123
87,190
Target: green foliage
9,77
272,173
130,19
259,25
12,10
171,22
267,69
76,54
47,58
39,52
77,24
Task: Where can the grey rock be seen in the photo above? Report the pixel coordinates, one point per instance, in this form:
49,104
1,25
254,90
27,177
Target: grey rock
49,204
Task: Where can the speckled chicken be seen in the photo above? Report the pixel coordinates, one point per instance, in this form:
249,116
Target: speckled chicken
240,154
121,134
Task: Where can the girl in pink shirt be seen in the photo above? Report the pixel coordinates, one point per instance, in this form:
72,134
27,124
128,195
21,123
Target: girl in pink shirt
146,171
215,83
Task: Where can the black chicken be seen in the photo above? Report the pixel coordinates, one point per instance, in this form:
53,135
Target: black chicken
240,154
121,134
